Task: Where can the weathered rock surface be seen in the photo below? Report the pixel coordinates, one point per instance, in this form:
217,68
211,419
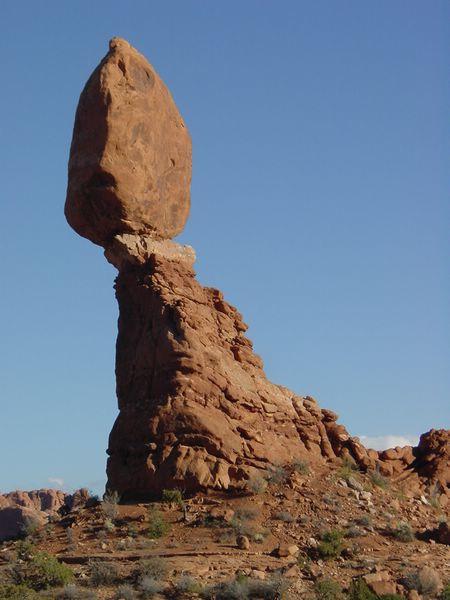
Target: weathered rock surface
130,159
196,409
19,508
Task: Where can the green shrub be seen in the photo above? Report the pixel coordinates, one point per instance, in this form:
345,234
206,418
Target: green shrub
25,550
327,589
403,532
353,531
256,485
11,591
331,545
30,527
150,587
187,585
173,497
73,592
278,474
347,469
243,588
364,521
301,466
102,572
110,506
41,571
359,590
284,516
154,567
246,513
425,580
377,479
125,592
109,526
157,525
445,595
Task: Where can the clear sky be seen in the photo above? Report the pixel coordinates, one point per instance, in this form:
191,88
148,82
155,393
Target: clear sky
318,207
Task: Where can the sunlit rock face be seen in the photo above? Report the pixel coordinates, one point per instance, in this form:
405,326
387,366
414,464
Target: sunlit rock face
130,158
196,410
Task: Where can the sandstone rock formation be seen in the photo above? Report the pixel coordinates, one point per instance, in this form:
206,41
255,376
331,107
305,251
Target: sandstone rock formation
19,508
130,159
196,409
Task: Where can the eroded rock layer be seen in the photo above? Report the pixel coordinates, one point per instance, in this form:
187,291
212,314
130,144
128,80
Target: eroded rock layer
196,409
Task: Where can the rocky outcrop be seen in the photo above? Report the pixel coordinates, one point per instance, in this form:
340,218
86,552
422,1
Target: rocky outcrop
20,509
130,159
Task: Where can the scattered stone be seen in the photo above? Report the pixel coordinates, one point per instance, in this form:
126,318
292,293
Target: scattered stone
258,574
354,484
243,542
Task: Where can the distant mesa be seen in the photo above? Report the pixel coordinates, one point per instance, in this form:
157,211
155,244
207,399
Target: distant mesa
131,157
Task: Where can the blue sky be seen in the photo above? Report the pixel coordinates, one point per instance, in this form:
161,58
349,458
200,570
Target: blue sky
318,207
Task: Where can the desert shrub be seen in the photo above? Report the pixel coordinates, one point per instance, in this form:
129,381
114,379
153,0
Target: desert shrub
328,589
132,530
331,545
283,516
301,466
125,592
157,525
260,535
154,567
11,591
256,485
149,587
109,526
174,496
102,572
25,550
364,521
245,512
353,531
434,495
403,532
377,479
41,571
243,588
73,592
110,505
272,589
243,526
70,537
187,585
426,581
347,469
30,527
359,590
278,474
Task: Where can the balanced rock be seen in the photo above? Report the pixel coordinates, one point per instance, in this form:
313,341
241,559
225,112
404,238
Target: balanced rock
130,158
196,410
